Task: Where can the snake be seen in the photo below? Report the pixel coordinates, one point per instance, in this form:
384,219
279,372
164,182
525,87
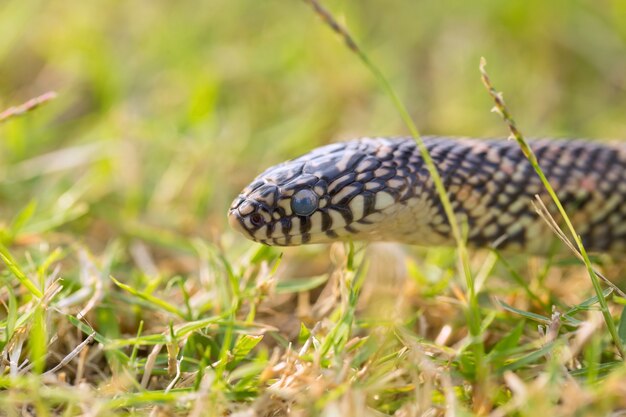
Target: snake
379,189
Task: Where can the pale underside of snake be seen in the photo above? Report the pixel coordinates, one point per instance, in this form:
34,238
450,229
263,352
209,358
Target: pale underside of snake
379,189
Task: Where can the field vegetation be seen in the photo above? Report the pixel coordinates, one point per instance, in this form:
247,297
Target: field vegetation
124,292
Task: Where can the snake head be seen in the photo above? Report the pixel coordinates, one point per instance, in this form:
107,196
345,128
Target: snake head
336,192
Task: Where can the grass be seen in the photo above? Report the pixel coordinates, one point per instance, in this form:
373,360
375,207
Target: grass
473,311
124,292
581,251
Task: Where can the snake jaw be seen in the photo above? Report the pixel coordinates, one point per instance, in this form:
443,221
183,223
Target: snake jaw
235,221
251,214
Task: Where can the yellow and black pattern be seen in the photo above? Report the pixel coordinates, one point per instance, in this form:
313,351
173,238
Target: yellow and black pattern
379,189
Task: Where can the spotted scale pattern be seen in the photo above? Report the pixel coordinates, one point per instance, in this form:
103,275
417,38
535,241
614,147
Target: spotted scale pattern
379,189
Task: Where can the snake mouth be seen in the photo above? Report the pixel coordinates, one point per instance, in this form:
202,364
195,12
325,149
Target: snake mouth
236,222
239,217
251,218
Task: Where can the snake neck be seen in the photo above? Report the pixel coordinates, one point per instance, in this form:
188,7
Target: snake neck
491,187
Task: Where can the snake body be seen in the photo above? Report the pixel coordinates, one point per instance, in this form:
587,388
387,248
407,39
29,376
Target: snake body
378,189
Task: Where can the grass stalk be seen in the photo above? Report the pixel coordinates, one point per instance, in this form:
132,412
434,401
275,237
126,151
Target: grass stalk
473,310
502,110
26,107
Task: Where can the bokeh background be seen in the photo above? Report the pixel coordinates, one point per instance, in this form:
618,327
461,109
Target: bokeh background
166,109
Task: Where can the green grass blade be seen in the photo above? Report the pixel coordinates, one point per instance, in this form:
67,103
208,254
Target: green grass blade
157,302
288,286
18,273
38,340
527,314
622,326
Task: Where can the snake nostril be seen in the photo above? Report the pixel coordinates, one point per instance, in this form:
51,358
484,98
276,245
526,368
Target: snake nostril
257,219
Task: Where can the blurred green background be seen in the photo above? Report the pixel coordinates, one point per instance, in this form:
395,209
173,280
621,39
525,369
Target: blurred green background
167,109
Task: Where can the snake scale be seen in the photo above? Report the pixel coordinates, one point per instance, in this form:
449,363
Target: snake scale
378,189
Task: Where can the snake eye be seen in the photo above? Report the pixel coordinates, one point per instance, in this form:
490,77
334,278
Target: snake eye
304,202
257,219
